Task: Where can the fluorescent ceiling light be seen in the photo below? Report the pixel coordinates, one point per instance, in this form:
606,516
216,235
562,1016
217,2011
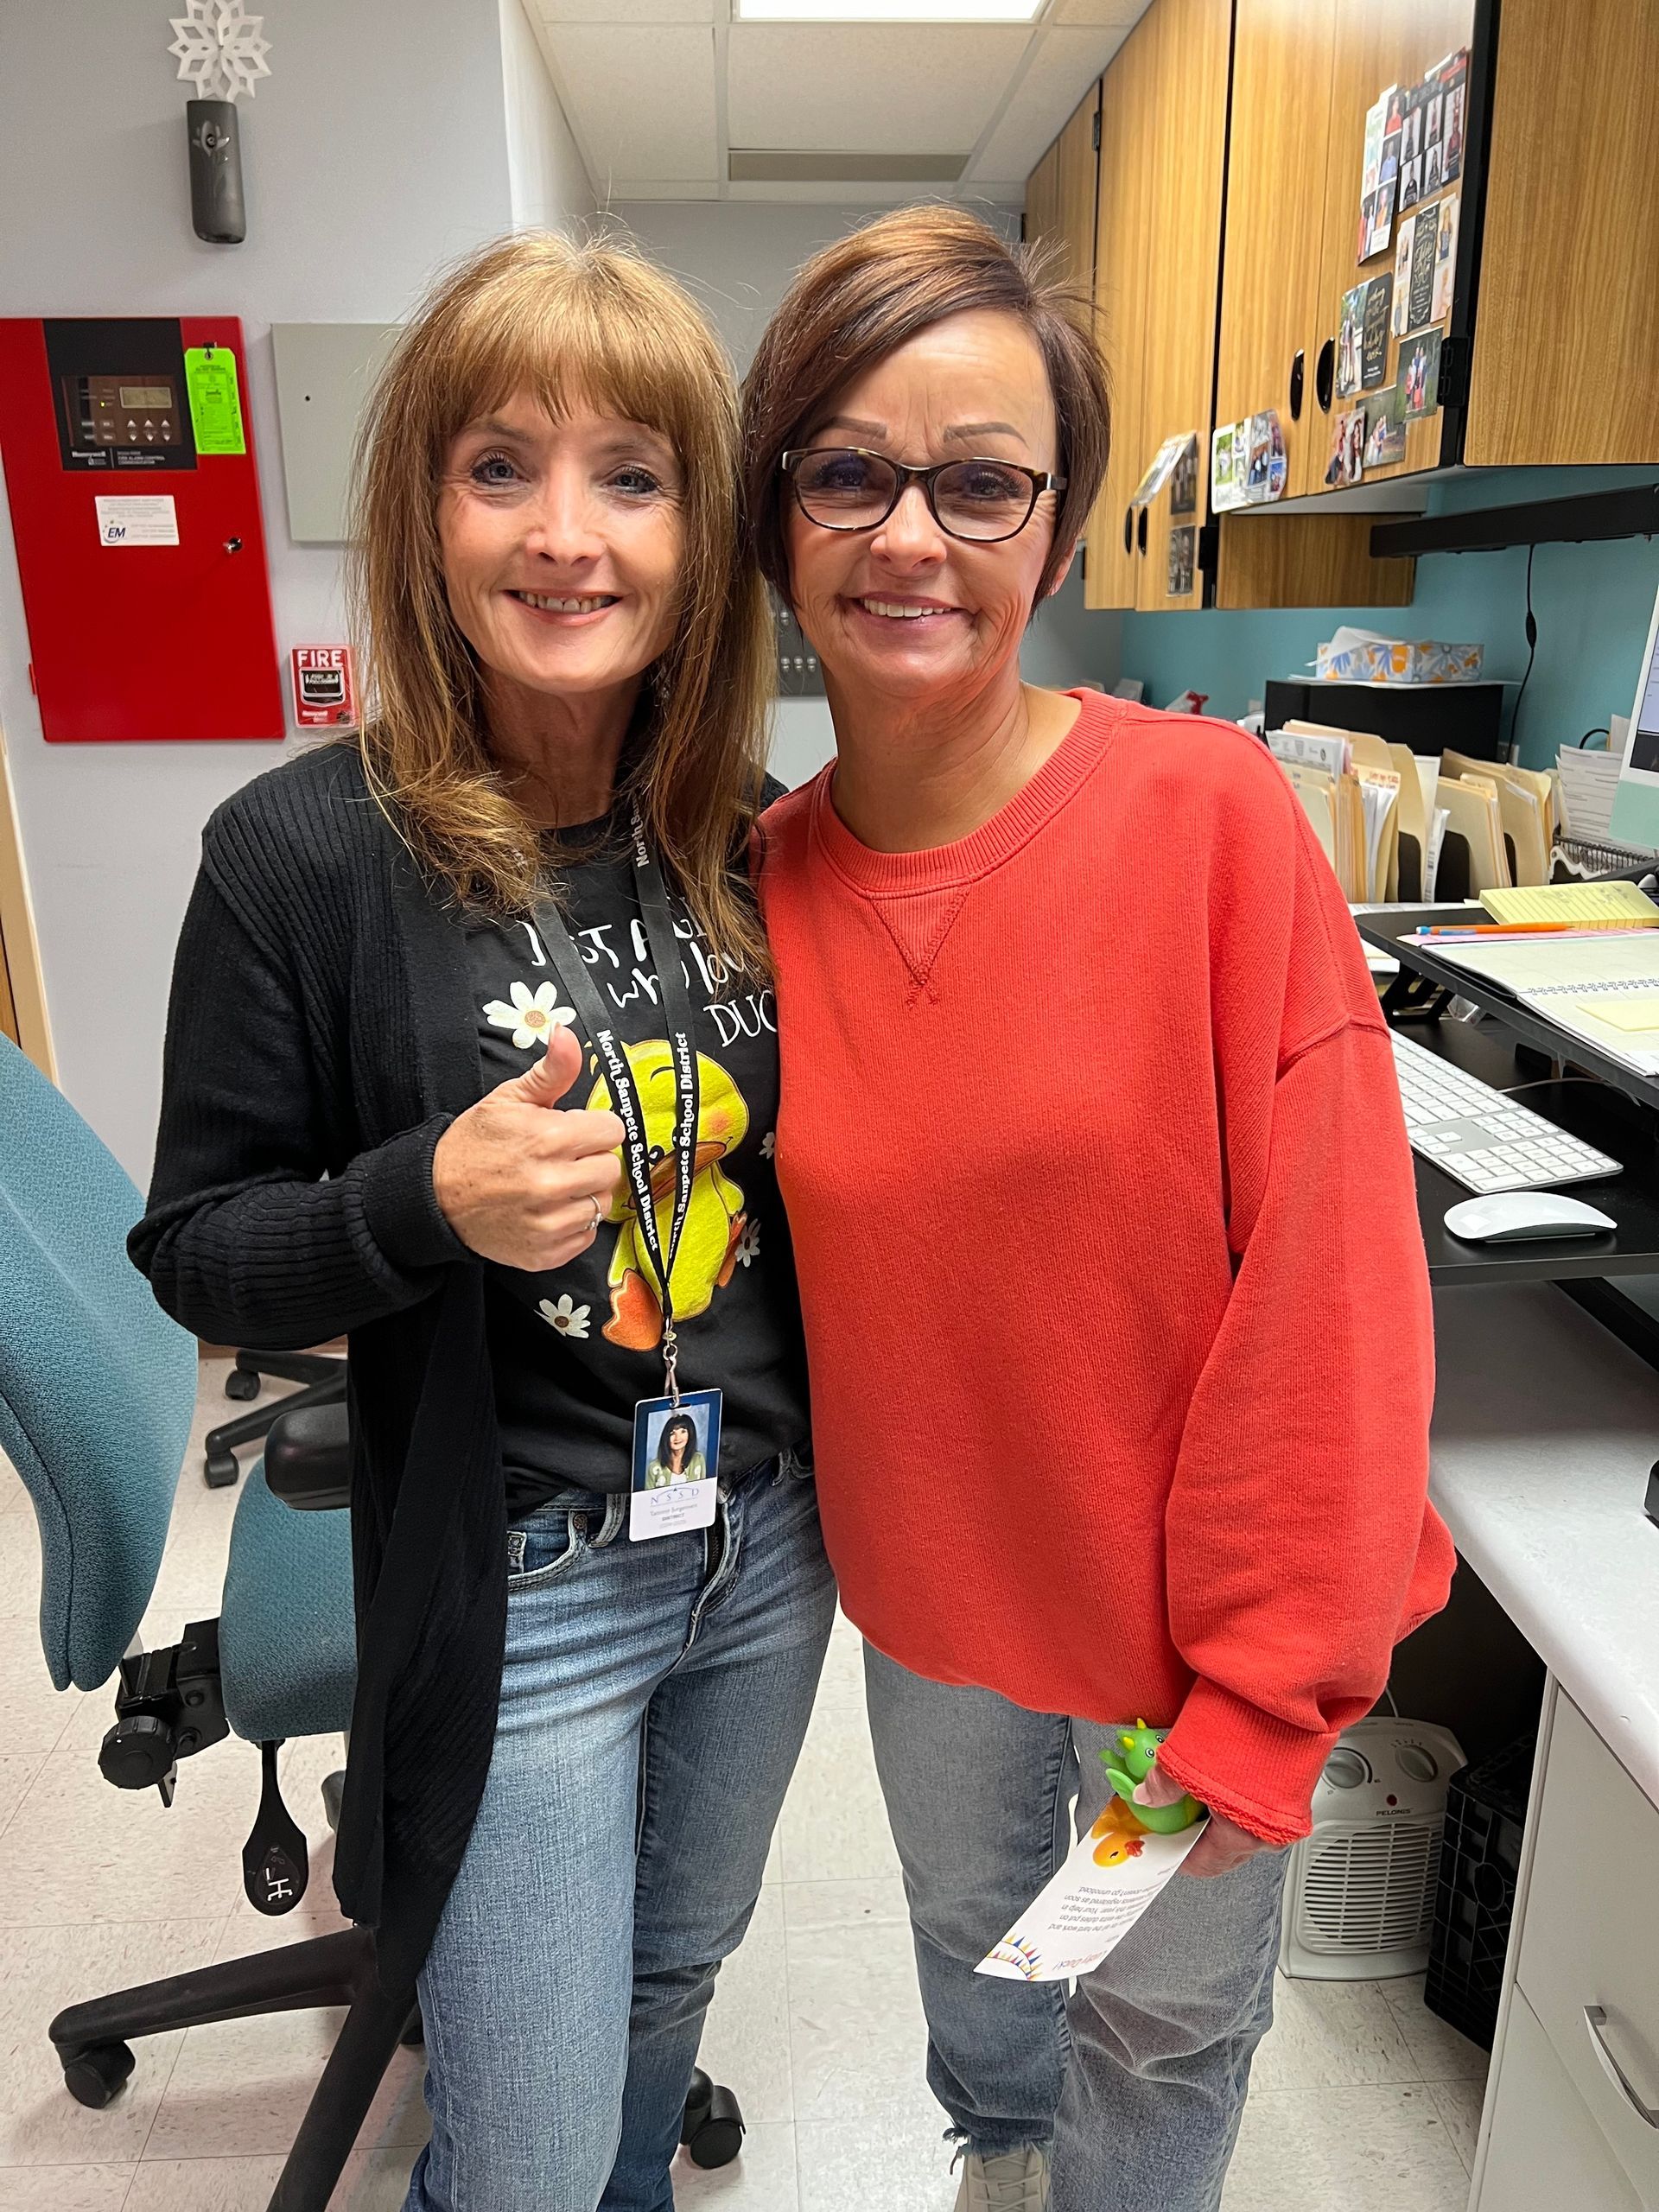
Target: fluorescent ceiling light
885,11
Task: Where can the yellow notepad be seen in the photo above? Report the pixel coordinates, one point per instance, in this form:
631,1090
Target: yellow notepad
1619,905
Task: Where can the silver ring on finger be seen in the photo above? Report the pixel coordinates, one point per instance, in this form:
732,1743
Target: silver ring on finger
598,1215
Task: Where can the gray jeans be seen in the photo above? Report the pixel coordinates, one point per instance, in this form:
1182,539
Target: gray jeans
1139,2082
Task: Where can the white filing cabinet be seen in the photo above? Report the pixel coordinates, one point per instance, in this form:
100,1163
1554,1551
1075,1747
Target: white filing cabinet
1572,2113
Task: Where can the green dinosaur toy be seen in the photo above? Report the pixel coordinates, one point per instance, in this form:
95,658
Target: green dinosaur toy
1135,1751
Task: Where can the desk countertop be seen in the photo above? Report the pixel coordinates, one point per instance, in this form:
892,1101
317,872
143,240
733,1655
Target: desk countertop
1545,1427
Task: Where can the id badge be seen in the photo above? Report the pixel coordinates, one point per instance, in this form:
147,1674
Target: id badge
676,1464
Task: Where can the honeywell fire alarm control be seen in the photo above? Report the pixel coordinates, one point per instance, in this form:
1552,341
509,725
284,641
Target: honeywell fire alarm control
135,505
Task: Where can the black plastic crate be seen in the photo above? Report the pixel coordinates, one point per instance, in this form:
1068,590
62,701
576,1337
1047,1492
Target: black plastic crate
1474,1894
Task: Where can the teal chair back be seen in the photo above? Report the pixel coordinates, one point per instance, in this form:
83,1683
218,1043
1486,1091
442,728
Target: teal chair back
98,1387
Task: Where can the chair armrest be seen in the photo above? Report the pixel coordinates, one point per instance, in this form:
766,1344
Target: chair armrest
308,1459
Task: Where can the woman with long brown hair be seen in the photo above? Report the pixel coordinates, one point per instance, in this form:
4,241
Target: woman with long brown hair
472,1057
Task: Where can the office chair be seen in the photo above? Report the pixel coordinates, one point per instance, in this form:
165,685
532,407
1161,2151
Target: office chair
97,1392
321,1374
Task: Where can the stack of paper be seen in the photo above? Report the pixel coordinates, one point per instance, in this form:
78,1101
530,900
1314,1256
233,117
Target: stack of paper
1578,906
1588,781
1352,799
1326,749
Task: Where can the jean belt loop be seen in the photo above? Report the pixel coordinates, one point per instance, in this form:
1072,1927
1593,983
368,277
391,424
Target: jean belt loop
616,1506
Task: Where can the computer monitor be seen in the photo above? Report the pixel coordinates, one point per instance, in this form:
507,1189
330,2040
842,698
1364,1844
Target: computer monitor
1636,804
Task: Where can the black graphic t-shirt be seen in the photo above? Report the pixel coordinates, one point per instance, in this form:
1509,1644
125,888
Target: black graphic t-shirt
575,1349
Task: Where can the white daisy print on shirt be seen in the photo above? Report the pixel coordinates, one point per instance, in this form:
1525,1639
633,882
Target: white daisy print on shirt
565,1315
532,1017
748,1244
768,1144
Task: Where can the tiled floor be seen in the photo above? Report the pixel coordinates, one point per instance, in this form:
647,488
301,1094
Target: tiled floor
1362,2099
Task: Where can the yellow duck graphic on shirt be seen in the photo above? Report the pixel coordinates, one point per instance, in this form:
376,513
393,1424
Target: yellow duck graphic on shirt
714,1219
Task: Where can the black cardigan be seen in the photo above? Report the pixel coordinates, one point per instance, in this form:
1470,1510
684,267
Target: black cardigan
319,1039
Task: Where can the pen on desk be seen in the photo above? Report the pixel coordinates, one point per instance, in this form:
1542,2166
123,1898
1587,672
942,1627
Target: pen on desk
1454,929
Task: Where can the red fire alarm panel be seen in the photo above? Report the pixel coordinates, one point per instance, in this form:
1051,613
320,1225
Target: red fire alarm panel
325,697
135,505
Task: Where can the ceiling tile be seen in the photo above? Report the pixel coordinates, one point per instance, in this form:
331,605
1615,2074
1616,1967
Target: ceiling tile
1064,65
1125,13
867,88
625,11
642,100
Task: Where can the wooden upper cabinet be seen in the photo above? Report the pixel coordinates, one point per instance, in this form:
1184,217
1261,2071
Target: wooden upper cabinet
1566,360
1277,165
1379,43
1042,216
1077,189
1189,140
1122,268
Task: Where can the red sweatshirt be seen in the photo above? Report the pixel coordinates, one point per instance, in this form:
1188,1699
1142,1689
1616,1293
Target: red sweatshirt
1116,1305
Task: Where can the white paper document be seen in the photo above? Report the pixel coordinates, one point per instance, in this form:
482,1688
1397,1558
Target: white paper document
1089,1906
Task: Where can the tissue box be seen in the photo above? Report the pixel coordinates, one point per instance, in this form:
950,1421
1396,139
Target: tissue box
1362,656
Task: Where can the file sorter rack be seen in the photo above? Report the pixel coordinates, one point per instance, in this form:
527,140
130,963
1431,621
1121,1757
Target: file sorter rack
1619,1114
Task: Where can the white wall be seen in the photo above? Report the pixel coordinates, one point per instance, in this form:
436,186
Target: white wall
548,183
377,149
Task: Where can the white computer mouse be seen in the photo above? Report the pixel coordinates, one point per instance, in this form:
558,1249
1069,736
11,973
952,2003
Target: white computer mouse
1509,1215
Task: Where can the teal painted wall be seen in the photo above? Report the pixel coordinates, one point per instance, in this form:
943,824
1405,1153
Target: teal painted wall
1592,605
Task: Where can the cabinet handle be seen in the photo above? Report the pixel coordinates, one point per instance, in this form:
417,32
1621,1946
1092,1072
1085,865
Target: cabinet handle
1297,367
1324,375
1128,530
1142,532
1595,2018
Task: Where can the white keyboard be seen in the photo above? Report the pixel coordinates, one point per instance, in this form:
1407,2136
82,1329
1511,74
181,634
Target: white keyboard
1480,1137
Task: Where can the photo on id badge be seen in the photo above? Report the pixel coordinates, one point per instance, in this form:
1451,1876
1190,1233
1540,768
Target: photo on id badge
675,1464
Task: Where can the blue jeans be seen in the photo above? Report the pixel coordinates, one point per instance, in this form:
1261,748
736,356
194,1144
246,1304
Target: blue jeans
653,1704
1138,2083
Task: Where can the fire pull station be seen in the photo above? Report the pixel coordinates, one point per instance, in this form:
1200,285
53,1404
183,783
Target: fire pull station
325,697
135,505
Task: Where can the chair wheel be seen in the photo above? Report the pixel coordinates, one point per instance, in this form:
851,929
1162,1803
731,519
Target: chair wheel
239,1383
97,2075
220,1470
712,2130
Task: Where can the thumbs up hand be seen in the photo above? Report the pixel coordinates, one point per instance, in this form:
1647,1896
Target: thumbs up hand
522,1180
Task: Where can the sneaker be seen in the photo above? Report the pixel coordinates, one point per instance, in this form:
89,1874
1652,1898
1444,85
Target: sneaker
1016,2181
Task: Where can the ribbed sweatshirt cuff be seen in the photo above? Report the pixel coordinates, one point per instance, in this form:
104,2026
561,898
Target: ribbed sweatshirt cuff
1259,1772
400,1204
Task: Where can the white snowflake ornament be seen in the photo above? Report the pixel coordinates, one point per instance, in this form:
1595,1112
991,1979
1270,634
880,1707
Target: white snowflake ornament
220,51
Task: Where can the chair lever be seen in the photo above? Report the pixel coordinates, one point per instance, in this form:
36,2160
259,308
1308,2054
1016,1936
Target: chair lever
275,1859
168,1707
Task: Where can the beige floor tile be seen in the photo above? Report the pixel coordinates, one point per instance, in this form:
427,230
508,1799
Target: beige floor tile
746,2038
240,2089
835,1825
761,2180
774,1872
1325,2033
86,1851
36,1715
1370,2149
203,2185
48,1968
64,2188
842,1681
20,1554
843,2168
858,2044
1460,2105
15,1775
810,1905
374,2181
1440,2053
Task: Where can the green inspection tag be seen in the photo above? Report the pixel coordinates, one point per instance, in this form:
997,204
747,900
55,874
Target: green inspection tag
215,401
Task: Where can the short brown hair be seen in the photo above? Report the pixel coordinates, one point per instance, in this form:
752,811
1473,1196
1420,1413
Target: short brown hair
859,300
571,322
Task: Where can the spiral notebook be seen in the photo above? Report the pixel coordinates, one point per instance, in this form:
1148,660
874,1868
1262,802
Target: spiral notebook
1603,987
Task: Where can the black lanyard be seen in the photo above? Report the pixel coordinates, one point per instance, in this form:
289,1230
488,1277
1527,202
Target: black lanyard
625,1102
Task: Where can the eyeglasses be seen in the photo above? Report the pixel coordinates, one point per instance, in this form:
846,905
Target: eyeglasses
844,488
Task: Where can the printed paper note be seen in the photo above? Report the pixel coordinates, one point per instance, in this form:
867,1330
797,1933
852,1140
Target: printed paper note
1109,1881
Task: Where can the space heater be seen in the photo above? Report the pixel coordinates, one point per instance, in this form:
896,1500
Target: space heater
1360,1892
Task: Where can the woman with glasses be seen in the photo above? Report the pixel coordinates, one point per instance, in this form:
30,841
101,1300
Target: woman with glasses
1093,1155
454,1064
